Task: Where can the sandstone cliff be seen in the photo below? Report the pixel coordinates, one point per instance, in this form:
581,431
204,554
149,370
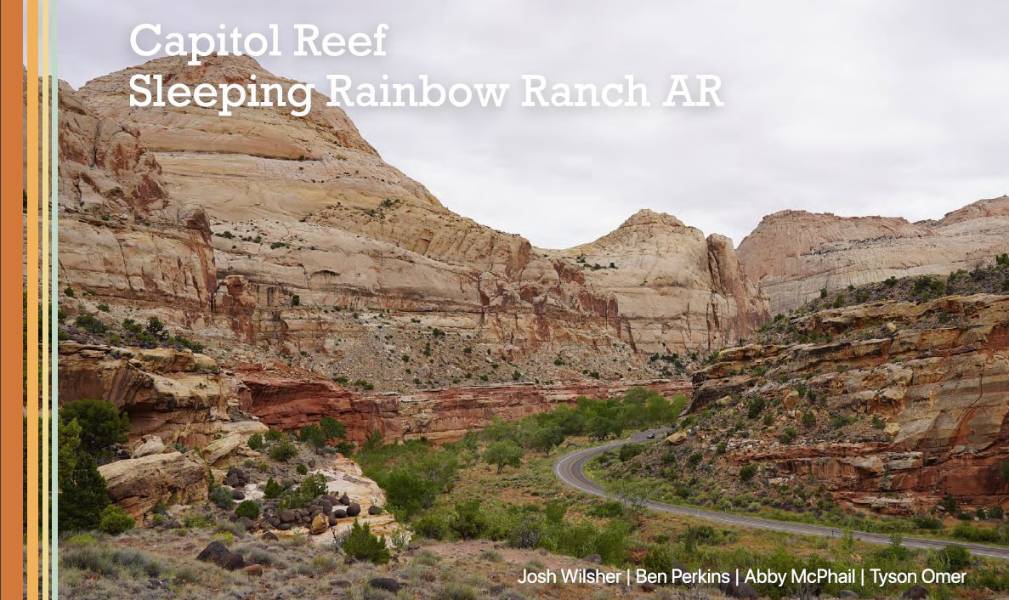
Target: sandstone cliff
793,254
277,239
893,406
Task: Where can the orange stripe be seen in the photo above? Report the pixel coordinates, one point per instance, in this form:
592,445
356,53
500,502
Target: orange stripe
11,285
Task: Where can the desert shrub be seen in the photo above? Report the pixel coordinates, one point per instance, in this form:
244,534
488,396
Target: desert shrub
302,469
996,512
527,533
221,497
788,435
274,435
659,559
629,451
927,522
747,472
755,407
456,591
283,451
101,424
468,521
272,489
610,508
361,544
968,532
808,420
331,428
554,511
248,509
505,453
114,520
309,489
432,526
90,323
951,558
312,435
256,441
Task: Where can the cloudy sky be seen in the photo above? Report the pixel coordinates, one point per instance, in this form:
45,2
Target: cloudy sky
893,108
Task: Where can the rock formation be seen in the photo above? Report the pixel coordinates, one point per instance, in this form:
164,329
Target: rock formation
933,375
271,236
792,254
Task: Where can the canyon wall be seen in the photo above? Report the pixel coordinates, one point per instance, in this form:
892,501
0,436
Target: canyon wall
792,255
269,235
932,376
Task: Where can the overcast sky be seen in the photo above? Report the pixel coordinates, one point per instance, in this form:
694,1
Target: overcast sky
893,108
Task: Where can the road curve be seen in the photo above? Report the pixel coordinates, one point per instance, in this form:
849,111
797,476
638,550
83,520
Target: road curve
570,469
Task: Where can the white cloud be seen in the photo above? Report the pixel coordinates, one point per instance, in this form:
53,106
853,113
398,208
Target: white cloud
894,108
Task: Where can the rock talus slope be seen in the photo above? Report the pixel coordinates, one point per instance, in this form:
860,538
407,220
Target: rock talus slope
793,254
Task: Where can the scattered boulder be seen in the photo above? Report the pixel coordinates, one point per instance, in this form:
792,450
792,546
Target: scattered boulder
139,484
738,590
385,583
254,570
223,447
915,593
288,516
270,536
374,509
677,438
340,512
354,509
319,524
237,494
150,444
345,500
236,477
593,558
217,553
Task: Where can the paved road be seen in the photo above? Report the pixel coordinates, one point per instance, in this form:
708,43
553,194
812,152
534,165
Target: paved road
571,470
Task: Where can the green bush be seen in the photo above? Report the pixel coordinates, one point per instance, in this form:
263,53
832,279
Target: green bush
312,435
788,435
361,544
272,489
283,451
221,497
101,424
808,420
629,451
747,472
332,429
951,558
755,407
248,509
310,488
273,435
256,441
114,520
90,323
302,469
468,521
432,526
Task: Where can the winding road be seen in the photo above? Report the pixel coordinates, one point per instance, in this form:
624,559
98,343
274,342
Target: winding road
570,469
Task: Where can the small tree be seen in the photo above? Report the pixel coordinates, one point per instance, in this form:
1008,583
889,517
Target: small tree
747,472
101,424
363,545
505,453
82,492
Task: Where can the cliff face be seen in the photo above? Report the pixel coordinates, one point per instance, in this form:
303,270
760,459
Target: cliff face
908,402
792,255
270,237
